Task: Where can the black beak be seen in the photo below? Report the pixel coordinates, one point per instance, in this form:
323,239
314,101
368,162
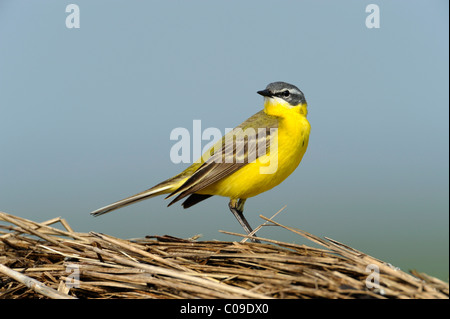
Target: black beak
265,93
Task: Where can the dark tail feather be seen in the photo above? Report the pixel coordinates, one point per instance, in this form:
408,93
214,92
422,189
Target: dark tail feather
194,199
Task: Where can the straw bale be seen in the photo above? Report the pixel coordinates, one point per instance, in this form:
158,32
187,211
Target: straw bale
38,260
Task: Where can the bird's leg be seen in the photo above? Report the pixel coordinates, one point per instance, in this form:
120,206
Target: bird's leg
237,208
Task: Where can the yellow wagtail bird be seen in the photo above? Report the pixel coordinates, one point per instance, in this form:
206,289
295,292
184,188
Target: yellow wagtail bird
249,160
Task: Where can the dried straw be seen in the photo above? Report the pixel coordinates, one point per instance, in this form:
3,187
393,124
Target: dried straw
38,260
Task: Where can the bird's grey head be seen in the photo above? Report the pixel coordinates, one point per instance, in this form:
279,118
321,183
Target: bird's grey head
288,92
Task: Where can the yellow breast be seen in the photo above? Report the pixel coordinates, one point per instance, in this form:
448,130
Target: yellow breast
271,169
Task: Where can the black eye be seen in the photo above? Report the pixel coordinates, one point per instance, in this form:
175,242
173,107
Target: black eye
286,93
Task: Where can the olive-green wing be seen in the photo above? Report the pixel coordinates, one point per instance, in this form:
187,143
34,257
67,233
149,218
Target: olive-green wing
230,157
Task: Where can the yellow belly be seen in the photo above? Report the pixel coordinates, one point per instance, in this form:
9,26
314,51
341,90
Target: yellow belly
262,175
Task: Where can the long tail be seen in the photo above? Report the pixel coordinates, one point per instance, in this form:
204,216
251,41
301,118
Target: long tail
159,189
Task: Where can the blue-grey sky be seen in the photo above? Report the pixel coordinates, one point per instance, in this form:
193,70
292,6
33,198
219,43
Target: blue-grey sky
86,115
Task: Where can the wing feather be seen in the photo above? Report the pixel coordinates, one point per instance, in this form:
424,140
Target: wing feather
231,156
